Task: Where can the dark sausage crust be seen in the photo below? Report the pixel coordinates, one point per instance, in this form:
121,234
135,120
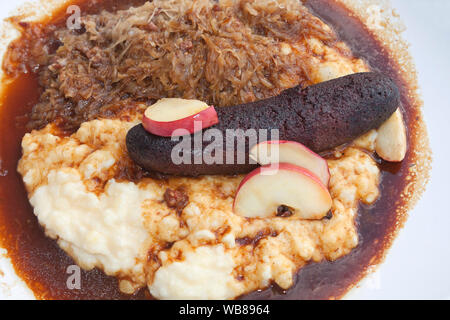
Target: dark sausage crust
321,117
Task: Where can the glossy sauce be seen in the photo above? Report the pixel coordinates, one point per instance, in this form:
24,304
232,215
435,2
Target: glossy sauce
42,264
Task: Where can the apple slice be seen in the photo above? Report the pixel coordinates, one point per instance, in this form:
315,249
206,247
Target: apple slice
171,114
266,189
272,152
391,141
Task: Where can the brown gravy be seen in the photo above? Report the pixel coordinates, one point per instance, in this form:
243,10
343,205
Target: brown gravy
42,264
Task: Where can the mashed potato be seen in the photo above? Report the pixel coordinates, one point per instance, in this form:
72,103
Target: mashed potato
125,229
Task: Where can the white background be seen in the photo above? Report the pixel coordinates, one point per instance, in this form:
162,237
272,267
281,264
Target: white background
418,265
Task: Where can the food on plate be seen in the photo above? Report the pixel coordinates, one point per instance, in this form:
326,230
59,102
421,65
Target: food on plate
263,191
78,193
168,117
391,144
321,117
92,116
273,152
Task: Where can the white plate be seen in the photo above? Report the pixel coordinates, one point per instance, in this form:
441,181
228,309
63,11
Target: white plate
418,265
